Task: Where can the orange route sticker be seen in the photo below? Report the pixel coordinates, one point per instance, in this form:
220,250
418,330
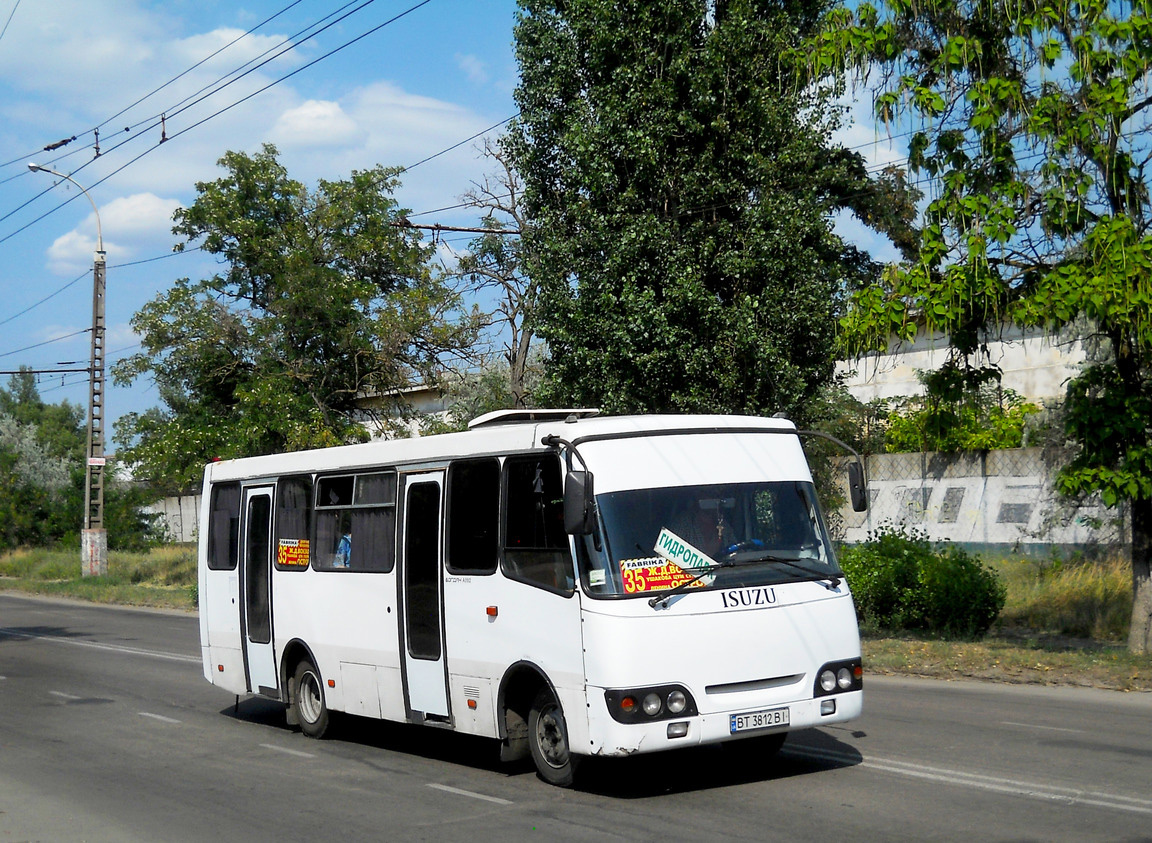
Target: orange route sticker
292,553
653,574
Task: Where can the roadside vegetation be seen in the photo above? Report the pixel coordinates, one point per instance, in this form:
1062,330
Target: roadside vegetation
1063,622
161,577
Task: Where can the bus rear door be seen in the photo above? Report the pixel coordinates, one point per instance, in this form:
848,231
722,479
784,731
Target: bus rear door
425,675
255,576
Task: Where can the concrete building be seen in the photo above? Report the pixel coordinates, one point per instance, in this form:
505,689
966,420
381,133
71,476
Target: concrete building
1033,363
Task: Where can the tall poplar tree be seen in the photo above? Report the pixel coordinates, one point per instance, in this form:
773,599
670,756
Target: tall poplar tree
679,192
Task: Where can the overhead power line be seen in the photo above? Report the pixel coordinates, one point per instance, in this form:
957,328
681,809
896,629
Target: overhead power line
47,342
217,113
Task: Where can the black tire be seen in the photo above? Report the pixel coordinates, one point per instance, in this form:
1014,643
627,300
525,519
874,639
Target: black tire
308,700
548,741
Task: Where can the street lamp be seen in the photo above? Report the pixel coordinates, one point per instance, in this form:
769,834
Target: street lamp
94,538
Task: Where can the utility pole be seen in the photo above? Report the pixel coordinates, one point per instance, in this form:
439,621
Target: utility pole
94,538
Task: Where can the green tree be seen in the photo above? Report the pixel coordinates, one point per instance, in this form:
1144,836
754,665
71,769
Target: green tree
325,299
42,476
1030,119
680,183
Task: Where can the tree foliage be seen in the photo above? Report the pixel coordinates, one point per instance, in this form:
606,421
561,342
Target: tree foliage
985,418
324,299
42,476
679,183
1030,120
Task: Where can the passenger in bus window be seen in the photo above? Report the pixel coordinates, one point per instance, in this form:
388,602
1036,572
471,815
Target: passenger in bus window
343,551
343,556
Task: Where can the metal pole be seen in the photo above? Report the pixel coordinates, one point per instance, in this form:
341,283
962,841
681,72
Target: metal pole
94,552
94,538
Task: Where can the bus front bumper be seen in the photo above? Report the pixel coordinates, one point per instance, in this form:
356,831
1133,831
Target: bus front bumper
610,738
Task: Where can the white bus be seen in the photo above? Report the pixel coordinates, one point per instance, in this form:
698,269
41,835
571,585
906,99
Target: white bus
482,582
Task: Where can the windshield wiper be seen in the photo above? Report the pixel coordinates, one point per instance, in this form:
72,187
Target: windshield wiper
829,581
662,597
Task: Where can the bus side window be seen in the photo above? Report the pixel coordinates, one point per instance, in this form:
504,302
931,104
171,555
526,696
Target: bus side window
535,544
293,523
473,516
356,522
224,527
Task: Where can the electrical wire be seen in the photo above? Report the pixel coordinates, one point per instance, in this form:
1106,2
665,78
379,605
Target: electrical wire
47,342
75,150
202,61
10,16
215,114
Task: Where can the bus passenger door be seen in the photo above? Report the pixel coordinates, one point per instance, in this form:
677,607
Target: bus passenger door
422,637
256,582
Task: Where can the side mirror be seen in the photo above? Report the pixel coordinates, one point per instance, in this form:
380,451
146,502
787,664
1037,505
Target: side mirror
579,508
857,490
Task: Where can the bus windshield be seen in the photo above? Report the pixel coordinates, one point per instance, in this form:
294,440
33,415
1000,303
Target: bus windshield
725,535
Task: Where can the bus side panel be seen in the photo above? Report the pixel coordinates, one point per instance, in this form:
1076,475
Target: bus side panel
347,620
492,623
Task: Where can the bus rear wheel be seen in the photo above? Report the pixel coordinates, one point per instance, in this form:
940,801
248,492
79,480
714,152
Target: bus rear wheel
548,741
308,700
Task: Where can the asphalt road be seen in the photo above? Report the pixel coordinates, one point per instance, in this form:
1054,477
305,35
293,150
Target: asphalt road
108,732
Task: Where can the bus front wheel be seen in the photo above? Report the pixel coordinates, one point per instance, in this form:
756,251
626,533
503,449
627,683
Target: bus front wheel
308,700
548,741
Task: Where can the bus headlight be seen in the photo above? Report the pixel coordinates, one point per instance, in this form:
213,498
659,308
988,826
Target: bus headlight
839,677
645,705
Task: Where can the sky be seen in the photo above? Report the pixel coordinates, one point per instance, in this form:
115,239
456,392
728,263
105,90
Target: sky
387,82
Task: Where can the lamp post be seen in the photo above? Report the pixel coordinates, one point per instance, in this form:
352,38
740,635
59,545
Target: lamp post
94,538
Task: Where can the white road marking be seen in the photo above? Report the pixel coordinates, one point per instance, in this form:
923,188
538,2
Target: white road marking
115,648
460,792
1013,787
1044,728
286,751
64,696
159,717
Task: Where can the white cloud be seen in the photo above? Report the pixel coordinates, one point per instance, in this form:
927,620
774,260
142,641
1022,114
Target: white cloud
247,48
132,226
316,123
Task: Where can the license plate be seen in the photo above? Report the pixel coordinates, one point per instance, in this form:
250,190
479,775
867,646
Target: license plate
769,718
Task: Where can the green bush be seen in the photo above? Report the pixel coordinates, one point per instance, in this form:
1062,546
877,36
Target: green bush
900,581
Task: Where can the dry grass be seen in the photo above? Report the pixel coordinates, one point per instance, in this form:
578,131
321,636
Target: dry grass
164,576
1079,599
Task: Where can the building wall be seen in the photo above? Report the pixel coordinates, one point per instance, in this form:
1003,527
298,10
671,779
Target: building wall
1035,365
181,516
999,500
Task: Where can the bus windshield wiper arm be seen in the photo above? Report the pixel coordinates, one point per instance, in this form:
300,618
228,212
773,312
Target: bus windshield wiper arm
662,598
829,581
